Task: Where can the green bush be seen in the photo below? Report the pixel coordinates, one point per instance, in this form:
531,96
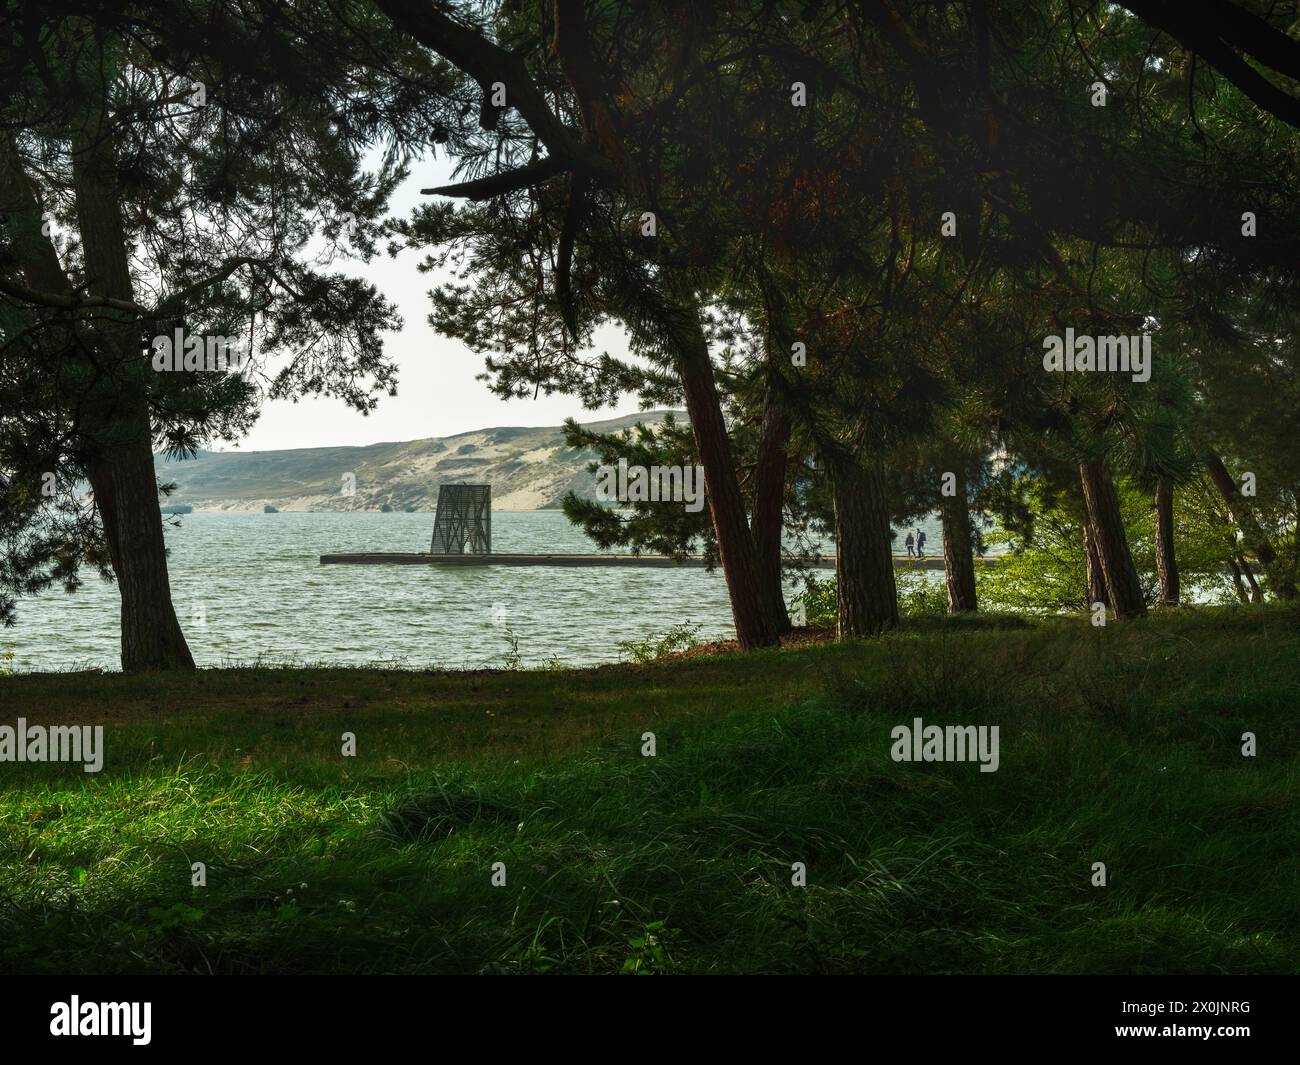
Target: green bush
678,638
919,595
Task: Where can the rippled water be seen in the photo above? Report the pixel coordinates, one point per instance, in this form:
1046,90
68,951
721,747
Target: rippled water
249,586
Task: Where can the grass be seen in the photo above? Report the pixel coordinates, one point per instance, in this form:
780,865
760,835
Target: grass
1120,745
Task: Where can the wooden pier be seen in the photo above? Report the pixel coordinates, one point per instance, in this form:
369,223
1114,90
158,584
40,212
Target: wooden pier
374,558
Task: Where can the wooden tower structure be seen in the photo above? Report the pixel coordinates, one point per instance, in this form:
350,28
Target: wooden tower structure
462,524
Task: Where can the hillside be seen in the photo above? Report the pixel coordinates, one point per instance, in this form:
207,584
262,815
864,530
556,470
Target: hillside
528,468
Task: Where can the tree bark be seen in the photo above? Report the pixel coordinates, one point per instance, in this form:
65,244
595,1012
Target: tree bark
866,596
1166,561
1254,537
1122,585
750,608
1096,579
119,434
958,558
769,505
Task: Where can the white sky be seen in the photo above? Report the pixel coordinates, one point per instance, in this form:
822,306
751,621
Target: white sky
437,394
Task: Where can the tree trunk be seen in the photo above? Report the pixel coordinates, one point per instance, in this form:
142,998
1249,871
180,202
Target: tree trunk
1237,581
958,558
119,436
1166,562
1256,596
769,505
115,434
866,597
750,608
1096,579
1122,585
31,248
1256,540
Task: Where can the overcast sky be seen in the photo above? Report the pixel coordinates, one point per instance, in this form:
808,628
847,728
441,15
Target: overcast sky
437,394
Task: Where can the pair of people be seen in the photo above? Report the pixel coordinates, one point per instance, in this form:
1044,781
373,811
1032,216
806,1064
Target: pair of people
916,544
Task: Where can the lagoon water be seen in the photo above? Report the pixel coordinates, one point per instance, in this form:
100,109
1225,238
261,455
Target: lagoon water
250,587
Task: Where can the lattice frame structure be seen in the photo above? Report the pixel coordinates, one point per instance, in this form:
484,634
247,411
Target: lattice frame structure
463,522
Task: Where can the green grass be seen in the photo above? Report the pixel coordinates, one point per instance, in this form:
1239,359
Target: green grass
1119,745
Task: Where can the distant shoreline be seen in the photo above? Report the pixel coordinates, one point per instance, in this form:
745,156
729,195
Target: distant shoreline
256,508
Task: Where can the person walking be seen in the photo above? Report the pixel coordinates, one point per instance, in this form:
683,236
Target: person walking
909,541
920,543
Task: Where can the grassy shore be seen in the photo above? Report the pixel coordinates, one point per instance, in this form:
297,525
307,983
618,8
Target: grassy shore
1119,745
